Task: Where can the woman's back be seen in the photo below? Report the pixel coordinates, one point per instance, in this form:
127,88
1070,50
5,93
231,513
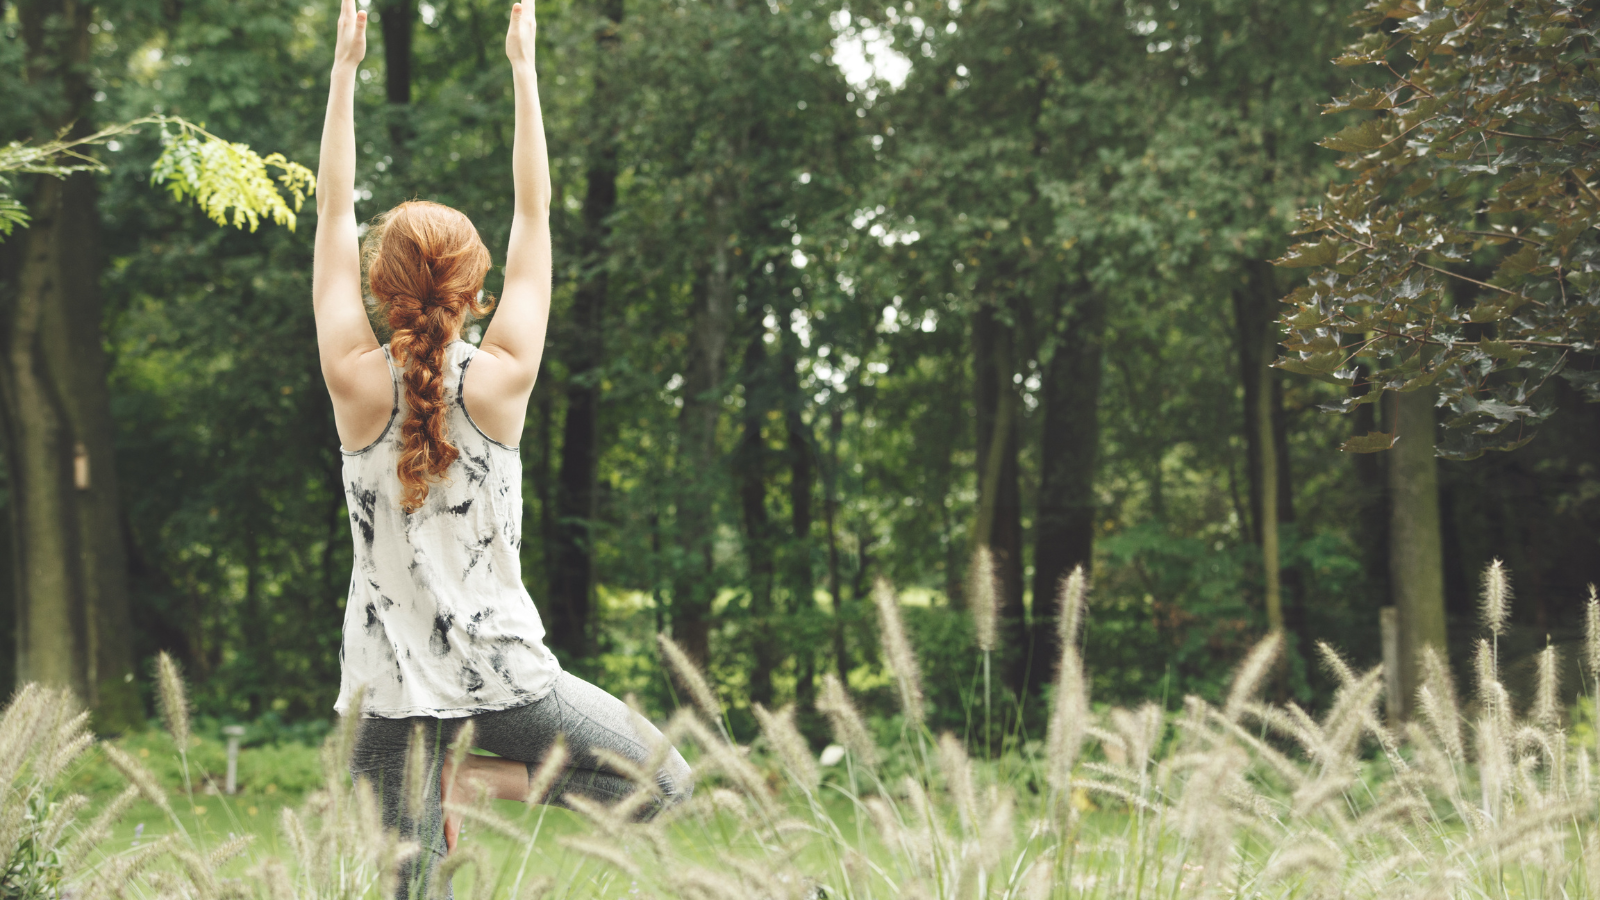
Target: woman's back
438,622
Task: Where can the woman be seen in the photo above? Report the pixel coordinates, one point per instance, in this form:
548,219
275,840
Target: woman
439,629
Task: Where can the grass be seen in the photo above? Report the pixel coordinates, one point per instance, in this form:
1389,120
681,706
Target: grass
1488,798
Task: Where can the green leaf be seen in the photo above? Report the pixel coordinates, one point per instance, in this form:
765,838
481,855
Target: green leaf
12,215
1322,253
1371,442
1362,137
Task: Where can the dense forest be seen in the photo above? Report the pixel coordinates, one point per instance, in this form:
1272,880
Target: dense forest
843,292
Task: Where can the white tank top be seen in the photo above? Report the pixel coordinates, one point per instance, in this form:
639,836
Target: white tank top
438,622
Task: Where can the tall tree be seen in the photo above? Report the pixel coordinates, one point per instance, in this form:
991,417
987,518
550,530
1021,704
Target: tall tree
1069,450
71,572
398,21
572,567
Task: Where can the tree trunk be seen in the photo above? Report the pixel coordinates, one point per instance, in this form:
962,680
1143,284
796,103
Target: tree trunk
70,565
398,19
830,515
999,521
802,583
1064,523
572,575
693,587
749,465
1416,562
1266,446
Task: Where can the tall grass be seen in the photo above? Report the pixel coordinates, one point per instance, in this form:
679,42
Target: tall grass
1486,798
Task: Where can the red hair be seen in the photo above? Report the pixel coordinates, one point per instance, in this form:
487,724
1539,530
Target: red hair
425,269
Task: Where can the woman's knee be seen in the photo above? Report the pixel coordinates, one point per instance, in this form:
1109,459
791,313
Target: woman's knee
675,780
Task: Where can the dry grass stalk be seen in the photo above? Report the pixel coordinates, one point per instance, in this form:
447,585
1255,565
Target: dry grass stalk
1496,597
550,769
419,775
1073,594
1252,673
691,679
1591,634
173,700
604,851
789,744
1546,704
958,781
897,651
1068,717
849,728
982,595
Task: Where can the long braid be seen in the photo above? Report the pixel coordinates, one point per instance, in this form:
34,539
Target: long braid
426,272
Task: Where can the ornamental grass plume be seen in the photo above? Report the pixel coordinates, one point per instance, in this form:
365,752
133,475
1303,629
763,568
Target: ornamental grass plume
982,594
897,652
691,679
849,729
1591,634
790,745
172,699
1496,597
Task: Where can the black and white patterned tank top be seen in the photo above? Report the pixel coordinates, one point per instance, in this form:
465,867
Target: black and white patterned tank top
438,622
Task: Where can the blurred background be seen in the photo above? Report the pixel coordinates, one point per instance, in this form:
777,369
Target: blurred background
843,292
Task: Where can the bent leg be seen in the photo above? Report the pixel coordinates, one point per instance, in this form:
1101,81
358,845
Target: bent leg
591,720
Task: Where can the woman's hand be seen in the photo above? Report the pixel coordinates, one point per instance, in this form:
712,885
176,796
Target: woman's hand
519,37
351,46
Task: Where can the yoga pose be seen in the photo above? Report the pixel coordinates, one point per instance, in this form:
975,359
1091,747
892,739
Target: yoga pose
438,629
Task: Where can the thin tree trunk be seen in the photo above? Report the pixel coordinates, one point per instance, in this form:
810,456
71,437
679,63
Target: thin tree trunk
1256,342
693,587
802,583
1069,451
830,512
577,491
999,518
1416,561
70,564
398,19
749,466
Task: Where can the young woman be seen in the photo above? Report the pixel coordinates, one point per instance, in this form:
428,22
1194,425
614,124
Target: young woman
439,629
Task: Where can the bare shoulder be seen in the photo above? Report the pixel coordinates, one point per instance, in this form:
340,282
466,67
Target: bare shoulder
363,395
495,389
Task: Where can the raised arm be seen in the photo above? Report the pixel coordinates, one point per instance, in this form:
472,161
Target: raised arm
516,335
343,332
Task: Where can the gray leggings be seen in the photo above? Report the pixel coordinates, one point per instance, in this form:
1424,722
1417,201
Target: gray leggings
589,718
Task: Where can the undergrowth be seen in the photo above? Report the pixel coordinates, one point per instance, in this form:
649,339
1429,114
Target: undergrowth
1477,797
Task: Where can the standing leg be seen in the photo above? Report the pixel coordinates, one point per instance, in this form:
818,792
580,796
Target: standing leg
379,758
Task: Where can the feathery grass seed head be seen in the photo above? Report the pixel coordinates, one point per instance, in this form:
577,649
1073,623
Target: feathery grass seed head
173,700
1591,633
897,651
849,728
691,678
982,594
1496,597
789,744
1073,593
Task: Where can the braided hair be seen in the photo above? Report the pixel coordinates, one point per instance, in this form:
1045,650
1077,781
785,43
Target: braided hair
425,270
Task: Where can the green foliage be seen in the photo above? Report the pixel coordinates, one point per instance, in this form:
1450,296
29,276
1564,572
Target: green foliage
195,163
220,175
1462,251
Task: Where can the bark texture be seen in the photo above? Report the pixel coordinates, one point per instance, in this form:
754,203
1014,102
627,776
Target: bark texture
999,524
1069,451
693,588
577,491
1416,559
70,566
